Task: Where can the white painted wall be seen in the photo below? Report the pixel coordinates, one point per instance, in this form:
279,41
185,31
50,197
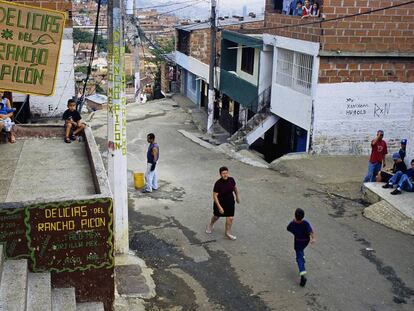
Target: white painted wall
254,78
196,67
410,144
265,69
347,116
65,83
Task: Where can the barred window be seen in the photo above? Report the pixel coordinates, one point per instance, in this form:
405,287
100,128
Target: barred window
294,70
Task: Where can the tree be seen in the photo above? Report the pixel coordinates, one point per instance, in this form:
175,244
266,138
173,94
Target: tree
82,69
163,48
80,36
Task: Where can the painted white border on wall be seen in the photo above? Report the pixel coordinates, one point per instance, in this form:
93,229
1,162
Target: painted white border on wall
253,79
287,103
196,67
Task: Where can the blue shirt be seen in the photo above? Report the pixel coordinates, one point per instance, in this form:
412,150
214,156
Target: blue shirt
150,156
301,231
410,173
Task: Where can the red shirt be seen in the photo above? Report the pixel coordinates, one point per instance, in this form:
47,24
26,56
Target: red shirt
379,150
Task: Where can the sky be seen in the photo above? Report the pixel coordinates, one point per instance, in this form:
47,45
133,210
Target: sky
201,9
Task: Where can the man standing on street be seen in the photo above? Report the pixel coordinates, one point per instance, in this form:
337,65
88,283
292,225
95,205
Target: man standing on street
153,154
377,159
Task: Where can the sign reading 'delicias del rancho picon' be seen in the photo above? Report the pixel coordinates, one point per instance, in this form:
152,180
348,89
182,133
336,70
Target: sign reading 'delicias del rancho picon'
30,41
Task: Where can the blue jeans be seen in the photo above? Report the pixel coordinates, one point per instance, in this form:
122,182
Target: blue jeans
373,170
403,181
300,259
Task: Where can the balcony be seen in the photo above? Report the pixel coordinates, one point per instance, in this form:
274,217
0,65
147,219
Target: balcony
238,89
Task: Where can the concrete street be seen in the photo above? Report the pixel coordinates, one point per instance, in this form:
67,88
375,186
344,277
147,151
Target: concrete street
356,264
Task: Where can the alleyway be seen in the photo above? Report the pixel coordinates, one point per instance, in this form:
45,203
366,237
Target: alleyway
355,264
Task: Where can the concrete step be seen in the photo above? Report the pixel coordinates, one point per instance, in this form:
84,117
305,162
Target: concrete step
1,261
13,287
63,299
39,292
384,213
90,306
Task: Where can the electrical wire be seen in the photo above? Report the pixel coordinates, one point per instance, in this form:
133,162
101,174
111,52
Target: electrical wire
184,7
81,100
331,19
165,5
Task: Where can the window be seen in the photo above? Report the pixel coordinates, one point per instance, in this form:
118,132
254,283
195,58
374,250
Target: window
247,62
294,70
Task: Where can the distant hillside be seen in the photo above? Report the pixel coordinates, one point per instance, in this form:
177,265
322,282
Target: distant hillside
201,9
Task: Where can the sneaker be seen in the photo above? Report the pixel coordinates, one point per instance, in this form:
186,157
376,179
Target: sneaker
303,281
386,186
72,137
209,229
396,191
231,237
146,191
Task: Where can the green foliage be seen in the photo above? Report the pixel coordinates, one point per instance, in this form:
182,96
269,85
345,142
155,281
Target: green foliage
80,36
82,69
163,48
99,89
129,78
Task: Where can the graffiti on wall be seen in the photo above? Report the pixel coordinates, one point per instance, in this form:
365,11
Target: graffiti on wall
354,109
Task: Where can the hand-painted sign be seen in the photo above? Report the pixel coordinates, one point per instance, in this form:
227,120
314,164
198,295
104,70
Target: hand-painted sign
60,237
30,41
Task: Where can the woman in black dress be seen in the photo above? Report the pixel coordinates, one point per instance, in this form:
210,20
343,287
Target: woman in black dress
225,193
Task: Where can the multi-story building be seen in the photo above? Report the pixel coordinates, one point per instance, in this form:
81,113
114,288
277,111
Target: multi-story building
335,83
192,56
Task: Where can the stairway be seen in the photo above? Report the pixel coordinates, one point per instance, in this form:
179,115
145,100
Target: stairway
254,128
21,290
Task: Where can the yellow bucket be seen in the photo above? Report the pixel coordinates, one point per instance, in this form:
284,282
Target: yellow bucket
139,180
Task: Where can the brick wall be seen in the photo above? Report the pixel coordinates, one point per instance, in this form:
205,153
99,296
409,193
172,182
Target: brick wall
308,33
385,31
200,40
347,116
357,69
60,5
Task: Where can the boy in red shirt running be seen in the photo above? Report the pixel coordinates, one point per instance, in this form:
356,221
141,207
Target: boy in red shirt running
377,159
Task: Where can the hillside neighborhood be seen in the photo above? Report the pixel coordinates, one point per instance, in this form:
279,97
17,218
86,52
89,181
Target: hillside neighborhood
206,155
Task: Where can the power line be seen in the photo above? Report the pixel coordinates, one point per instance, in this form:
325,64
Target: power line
331,19
165,5
184,7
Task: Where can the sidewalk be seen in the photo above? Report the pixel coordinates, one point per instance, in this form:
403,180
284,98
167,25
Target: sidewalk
394,211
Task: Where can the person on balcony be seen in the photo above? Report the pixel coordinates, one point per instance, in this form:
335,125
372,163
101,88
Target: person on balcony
307,9
297,11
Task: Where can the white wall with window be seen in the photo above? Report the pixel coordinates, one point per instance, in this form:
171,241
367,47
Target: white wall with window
294,79
248,64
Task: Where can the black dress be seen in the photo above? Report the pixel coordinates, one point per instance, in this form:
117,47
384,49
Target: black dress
225,190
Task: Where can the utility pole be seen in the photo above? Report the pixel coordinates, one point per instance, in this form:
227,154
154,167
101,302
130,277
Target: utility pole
117,142
211,91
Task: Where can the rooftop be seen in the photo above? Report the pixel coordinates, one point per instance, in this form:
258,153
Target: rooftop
221,23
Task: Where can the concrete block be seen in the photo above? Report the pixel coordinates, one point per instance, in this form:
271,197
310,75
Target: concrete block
39,292
63,299
90,306
13,285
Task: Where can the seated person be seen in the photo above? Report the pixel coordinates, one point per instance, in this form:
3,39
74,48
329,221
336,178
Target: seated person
403,181
399,166
6,113
403,148
73,122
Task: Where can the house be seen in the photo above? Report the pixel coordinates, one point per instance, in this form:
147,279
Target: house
192,56
335,83
97,101
244,78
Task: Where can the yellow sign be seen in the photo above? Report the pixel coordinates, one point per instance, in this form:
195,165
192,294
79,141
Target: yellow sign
30,40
